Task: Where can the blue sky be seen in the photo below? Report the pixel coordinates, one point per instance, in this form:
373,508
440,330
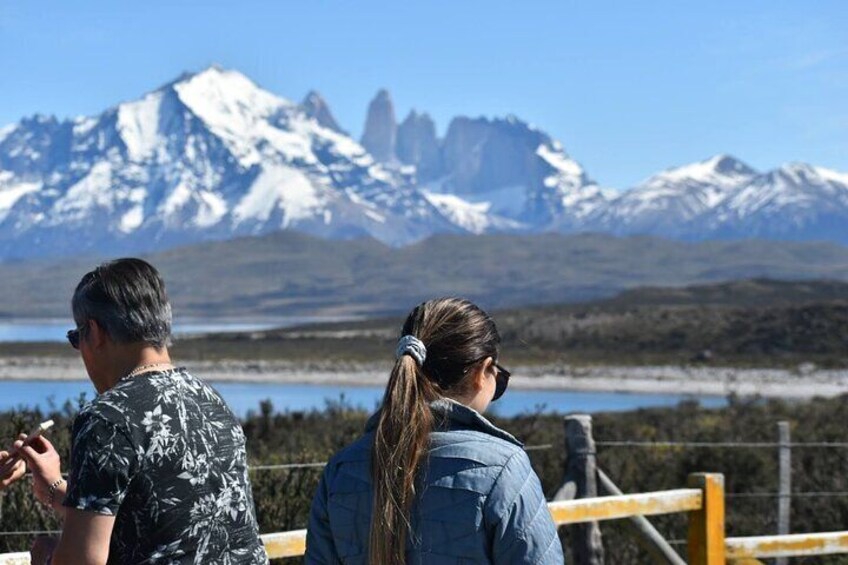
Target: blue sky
630,88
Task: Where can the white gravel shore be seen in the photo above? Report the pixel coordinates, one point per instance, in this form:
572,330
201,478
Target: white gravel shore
803,382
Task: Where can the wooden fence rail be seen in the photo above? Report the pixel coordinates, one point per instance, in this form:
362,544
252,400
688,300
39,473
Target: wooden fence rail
796,545
584,510
293,544
706,543
284,544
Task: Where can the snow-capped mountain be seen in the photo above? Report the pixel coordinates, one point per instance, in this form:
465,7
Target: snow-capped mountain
796,201
474,217
723,198
668,202
504,173
517,172
210,155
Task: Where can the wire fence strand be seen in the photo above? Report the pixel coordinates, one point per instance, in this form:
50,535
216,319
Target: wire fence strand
32,533
600,443
813,494
287,466
723,444
318,464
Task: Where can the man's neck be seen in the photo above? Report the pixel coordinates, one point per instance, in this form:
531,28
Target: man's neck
136,358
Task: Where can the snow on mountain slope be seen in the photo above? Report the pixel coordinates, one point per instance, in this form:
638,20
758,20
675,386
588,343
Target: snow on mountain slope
831,175
6,130
210,155
557,195
476,217
12,190
242,115
519,170
138,126
569,190
668,202
795,201
283,189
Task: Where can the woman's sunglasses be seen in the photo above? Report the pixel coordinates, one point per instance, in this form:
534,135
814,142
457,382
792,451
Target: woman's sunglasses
74,338
501,381
501,378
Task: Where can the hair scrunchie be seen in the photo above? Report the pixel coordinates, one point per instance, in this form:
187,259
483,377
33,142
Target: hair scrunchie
412,346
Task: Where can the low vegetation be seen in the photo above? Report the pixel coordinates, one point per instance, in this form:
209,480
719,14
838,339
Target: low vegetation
283,495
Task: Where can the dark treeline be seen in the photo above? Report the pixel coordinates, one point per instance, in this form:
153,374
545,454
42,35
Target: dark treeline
283,495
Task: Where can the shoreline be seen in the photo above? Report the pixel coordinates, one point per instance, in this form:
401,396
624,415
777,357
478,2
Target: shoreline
801,383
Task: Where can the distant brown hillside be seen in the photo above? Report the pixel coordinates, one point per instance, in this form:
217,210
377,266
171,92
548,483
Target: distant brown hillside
756,322
293,274
752,322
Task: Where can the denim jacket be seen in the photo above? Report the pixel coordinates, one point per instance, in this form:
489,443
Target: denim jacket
480,500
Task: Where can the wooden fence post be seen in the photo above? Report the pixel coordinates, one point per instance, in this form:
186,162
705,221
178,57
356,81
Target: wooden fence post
706,526
784,500
581,481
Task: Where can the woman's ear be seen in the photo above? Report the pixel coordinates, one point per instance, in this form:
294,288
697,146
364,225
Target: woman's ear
478,378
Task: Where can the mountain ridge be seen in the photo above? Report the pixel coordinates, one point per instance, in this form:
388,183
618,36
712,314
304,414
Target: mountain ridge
211,155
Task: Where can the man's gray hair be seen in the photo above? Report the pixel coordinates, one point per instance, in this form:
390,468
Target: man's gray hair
127,298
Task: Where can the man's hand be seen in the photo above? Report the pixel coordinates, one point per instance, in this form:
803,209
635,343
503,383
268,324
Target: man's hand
42,548
9,473
44,462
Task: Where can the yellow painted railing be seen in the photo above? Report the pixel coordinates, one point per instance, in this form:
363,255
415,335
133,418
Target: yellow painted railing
285,544
293,544
706,545
615,507
796,545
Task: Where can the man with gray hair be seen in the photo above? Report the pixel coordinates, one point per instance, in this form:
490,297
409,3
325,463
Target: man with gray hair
158,470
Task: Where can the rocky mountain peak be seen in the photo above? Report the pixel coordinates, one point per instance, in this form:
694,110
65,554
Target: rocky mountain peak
316,107
418,145
217,91
729,165
485,154
211,155
719,169
380,134
797,171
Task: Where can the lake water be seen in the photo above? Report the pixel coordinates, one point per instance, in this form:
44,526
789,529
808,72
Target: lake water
243,397
55,330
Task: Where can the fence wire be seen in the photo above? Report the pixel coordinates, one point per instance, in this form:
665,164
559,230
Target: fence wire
742,445
319,464
32,533
599,443
723,444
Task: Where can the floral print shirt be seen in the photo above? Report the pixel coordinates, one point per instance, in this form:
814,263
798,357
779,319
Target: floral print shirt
163,453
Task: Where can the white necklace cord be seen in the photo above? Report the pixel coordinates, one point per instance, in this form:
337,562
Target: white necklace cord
146,368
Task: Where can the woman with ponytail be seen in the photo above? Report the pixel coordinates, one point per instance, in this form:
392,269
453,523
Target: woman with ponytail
433,481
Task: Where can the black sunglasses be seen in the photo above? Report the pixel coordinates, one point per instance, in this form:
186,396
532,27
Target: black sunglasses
74,337
501,381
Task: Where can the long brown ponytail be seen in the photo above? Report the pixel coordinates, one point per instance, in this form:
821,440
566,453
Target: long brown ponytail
457,334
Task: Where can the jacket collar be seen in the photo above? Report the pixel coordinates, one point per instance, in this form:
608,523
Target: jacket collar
451,414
